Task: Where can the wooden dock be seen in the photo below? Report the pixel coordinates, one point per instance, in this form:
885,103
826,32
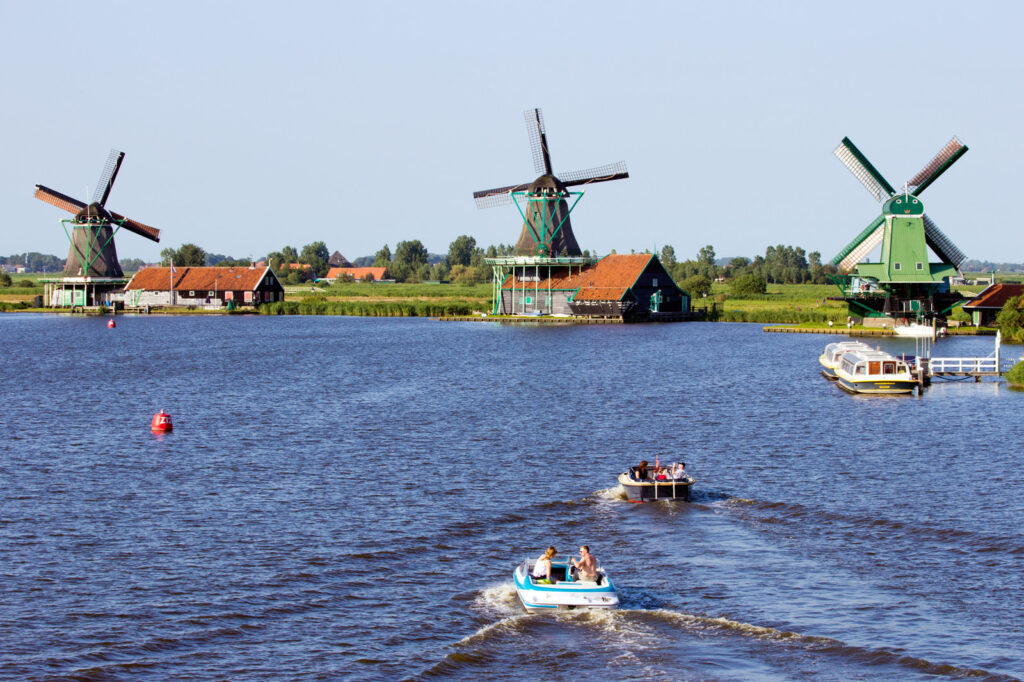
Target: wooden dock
787,329
779,329
529,319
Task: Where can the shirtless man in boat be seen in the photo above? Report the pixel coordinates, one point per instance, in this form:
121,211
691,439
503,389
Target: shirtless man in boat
587,564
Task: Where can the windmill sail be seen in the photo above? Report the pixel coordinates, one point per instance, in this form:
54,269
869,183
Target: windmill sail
942,245
106,181
861,246
538,141
499,196
862,169
55,198
611,171
946,157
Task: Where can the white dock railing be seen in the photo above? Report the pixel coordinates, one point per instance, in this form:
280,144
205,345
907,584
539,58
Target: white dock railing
989,365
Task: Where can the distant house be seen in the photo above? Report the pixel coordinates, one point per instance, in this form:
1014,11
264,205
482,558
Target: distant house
984,307
208,287
630,286
338,261
358,274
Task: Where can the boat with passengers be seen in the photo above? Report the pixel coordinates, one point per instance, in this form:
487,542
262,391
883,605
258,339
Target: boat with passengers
650,485
874,371
833,353
564,590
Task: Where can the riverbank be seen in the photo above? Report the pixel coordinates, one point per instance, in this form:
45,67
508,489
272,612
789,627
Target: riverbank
806,305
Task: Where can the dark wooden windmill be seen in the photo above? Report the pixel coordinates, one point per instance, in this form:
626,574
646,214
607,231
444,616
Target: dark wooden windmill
547,230
92,253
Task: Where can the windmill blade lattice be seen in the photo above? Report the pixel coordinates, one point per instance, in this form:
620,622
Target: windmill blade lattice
862,169
106,181
611,171
942,245
946,157
538,141
499,196
870,237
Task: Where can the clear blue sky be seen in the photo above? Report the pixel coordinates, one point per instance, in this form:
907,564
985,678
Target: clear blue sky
249,126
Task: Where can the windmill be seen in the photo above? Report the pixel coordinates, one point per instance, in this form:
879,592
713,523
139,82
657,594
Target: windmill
92,253
903,283
547,230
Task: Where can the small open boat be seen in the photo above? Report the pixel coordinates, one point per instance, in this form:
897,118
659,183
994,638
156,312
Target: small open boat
564,591
648,490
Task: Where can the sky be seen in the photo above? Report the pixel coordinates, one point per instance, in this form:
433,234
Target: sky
250,126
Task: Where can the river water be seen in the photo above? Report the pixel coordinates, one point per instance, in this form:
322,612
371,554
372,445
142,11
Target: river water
346,498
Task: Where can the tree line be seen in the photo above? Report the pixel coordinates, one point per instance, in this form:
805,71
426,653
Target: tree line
465,262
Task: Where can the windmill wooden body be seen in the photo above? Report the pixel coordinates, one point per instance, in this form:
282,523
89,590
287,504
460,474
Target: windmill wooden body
92,269
547,230
904,282
547,244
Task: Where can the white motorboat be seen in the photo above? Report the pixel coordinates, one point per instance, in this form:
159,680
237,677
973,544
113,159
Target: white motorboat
564,591
914,330
874,371
833,354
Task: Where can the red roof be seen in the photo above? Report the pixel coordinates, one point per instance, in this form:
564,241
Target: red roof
995,296
606,280
199,278
357,273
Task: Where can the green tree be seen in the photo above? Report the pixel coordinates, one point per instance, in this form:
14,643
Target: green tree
383,257
1010,320
696,285
706,255
316,255
460,251
411,253
187,255
5,280
747,285
668,257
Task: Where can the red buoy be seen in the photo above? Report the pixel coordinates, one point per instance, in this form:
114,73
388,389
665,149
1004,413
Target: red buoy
111,324
162,422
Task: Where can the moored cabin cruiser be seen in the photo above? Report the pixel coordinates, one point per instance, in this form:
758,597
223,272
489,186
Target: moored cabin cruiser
833,354
874,371
564,590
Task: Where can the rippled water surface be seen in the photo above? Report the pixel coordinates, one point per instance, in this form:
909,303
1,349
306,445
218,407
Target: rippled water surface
347,498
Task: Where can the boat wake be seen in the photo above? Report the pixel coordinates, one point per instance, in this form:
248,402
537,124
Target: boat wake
634,631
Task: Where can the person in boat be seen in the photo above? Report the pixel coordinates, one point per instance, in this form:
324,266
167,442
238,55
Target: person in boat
586,565
542,569
662,474
679,471
641,470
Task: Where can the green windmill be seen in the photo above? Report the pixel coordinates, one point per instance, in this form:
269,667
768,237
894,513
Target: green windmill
904,283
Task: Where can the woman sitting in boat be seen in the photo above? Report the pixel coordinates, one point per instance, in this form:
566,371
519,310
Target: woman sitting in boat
639,472
679,471
542,569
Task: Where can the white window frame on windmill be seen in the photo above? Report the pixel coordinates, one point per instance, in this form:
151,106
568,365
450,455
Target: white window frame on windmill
897,266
